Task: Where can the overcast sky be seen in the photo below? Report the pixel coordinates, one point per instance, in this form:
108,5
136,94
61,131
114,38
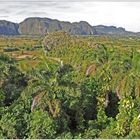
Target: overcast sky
125,14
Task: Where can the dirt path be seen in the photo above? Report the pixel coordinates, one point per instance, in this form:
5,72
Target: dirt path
55,59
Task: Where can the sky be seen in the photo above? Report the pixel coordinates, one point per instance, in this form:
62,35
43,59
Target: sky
112,13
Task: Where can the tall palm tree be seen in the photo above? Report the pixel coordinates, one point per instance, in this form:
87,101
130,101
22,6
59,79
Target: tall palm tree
40,84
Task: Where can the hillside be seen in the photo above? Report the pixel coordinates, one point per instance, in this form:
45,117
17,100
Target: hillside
8,28
111,30
41,26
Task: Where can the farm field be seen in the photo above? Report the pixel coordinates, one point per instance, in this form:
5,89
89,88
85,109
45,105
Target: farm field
63,86
29,48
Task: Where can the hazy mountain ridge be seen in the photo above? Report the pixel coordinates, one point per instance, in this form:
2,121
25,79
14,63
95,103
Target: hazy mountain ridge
111,30
8,28
40,26
43,25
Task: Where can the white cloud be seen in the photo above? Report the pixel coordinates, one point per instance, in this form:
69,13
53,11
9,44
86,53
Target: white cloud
125,14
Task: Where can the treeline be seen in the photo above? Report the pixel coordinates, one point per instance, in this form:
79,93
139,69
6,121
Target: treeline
89,91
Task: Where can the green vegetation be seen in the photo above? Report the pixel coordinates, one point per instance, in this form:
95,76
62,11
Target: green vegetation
72,87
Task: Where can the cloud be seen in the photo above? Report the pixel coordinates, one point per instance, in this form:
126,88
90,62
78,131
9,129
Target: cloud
3,16
126,14
31,13
4,11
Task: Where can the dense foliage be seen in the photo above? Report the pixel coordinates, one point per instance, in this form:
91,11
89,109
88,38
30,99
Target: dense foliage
77,89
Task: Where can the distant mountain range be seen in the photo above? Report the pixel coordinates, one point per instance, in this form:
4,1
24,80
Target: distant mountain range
41,26
8,28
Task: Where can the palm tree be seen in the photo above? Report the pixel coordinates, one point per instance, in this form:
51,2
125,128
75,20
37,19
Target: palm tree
127,81
41,82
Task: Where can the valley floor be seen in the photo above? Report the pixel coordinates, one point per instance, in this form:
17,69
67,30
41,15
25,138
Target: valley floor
66,87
